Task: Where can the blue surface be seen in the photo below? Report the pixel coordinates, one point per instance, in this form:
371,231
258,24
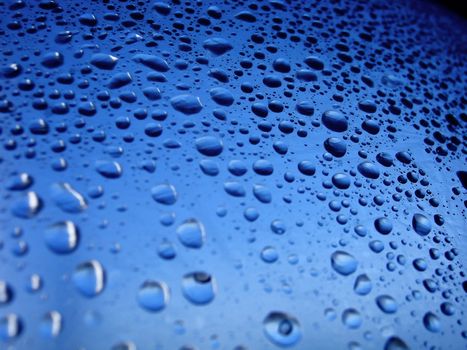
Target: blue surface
232,175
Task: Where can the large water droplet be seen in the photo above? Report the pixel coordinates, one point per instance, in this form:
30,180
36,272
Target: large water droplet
51,324
334,121
164,194
421,224
386,303
28,206
153,295
395,343
343,263
362,285
62,237
282,329
199,287
187,104
352,318
11,327
89,278
109,169
6,293
209,146
191,233
217,46
67,198
432,322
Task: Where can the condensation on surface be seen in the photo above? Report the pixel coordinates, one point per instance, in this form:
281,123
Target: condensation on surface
232,175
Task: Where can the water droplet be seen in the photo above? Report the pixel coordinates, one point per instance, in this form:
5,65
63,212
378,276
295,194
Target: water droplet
67,198
191,234
104,61
262,193
263,167
386,303
153,295
28,206
217,46
335,146
89,278
109,169
164,194
282,329
341,181
369,170
151,61
269,255
19,182
306,168
278,227
421,224
11,327
62,237
362,285
186,104
432,322
343,263
383,226
199,287
124,346
352,318
209,146
334,121
6,293
51,324
222,96
395,343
